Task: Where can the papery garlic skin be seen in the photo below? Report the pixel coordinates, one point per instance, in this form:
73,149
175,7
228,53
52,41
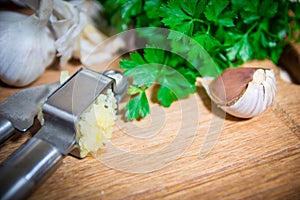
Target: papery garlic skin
257,95
67,22
93,47
27,47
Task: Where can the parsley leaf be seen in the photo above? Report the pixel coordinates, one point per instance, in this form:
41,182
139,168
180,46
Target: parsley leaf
174,85
156,67
138,106
207,41
240,50
143,72
214,12
176,18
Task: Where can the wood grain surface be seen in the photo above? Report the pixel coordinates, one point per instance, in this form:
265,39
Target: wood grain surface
188,151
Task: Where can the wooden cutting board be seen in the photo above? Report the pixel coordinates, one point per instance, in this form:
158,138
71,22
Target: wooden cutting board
190,150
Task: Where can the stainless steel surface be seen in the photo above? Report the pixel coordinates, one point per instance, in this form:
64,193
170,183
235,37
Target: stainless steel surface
6,129
121,83
24,170
21,108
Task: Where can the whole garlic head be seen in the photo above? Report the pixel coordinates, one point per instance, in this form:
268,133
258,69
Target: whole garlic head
242,92
27,45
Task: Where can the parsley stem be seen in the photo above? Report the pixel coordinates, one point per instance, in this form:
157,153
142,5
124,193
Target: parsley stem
199,20
251,29
208,29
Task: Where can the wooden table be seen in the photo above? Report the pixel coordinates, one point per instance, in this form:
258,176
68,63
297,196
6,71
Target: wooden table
186,151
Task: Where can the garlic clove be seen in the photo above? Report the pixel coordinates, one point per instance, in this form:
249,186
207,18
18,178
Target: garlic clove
228,87
242,92
8,16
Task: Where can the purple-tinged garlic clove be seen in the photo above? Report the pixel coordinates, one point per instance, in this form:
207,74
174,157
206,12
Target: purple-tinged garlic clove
242,92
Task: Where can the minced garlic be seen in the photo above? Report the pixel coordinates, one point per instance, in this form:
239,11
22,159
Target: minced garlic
95,125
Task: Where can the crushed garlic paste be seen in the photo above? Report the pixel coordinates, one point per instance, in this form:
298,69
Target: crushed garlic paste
95,125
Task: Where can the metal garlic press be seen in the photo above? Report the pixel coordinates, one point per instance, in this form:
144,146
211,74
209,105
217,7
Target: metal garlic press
22,172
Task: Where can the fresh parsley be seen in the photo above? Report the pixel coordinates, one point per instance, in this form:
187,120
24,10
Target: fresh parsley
231,32
160,68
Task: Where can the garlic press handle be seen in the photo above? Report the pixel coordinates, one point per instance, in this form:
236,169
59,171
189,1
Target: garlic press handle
6,129
22,172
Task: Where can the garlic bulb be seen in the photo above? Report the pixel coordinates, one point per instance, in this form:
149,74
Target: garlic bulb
242,92
27,45
67,22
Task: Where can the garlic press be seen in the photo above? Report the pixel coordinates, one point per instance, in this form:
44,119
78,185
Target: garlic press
35,160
